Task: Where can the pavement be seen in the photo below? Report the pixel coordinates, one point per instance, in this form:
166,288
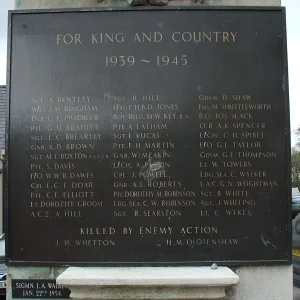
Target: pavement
296,293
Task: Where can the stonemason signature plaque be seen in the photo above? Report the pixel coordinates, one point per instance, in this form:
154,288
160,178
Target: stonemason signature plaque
148,137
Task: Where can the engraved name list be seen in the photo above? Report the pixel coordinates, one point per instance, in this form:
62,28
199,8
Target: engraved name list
148,140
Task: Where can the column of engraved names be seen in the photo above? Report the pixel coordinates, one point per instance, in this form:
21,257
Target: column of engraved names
233,130
143,185
64,132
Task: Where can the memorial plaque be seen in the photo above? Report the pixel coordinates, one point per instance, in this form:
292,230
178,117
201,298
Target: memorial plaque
149,137
38,289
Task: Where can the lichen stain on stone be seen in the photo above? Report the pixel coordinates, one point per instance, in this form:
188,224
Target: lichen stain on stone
151,167
266,242
158,2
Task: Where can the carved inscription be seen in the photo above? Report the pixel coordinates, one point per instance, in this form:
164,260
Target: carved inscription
156,145
38,289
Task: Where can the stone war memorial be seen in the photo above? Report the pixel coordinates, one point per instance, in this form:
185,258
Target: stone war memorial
148,151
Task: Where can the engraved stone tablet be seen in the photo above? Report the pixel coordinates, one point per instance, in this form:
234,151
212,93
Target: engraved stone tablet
148,136
38,289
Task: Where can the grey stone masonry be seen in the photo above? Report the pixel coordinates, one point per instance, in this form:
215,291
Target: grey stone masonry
42,4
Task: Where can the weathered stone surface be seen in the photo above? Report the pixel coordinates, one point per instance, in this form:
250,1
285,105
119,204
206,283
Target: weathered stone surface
30,273
148,283
137,2
262,283
40,4
47,4
259,283
158,2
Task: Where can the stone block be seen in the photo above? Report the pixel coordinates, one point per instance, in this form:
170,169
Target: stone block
142,283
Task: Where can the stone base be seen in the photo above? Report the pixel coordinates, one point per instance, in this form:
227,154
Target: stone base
155,283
